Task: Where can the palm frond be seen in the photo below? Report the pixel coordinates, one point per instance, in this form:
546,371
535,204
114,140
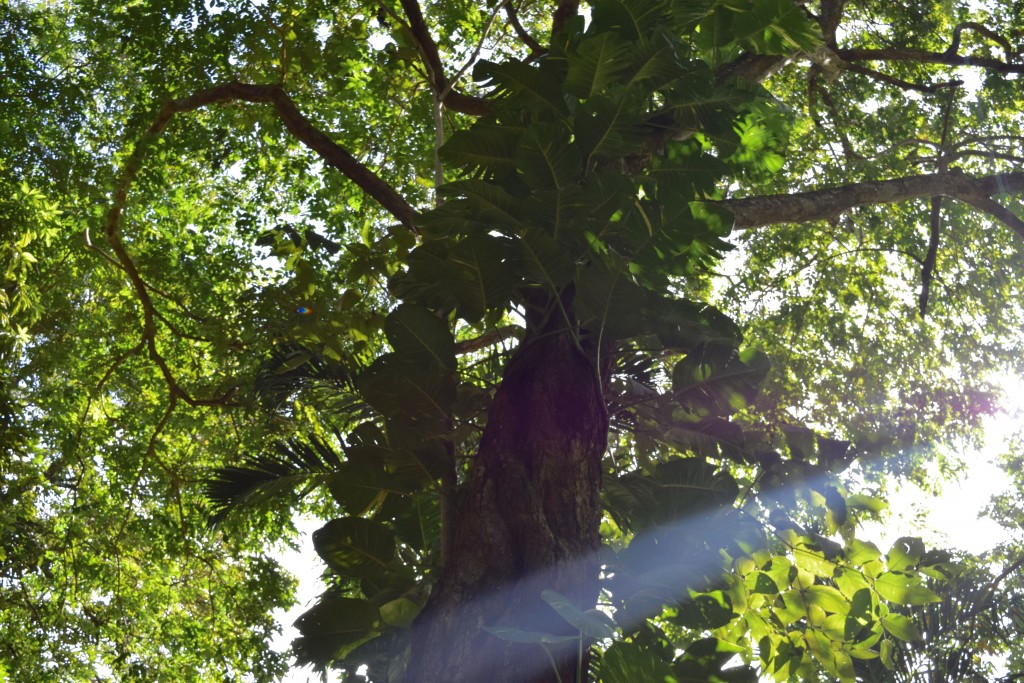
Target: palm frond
294,466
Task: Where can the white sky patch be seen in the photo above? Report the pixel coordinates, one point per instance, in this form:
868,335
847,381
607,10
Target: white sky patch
305,564
952,517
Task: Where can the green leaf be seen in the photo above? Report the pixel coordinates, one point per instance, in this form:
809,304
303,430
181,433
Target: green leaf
705,611
629,663
777,26
355,547
900,627
591,623
858,552
333,627
712,380
597,62
544,260
608,128
547,158
903,589
420,336
482,147
521,85
828,598
905,553
400,612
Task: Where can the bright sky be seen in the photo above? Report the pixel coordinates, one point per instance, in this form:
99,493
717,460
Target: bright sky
950,519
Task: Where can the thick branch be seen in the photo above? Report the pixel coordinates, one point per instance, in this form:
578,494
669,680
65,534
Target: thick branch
425,45
830,15
297,124
897,54
489,338
985,31
564,12
536,49
827,204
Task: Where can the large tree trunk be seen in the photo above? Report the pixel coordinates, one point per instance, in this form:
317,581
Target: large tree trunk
528,521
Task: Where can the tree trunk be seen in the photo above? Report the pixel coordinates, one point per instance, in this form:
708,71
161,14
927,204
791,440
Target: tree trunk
528,521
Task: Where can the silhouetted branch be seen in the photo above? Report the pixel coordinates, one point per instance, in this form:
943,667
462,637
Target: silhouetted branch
536,49
899,54
425,45
564,12
935,219
985,31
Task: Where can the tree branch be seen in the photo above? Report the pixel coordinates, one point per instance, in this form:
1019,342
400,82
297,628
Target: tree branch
564,12
425,45
935,222
897,54
300,127
489,338
830,203
985,31
296,123
536,49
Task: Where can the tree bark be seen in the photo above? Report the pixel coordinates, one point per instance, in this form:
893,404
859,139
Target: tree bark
830,203
528,521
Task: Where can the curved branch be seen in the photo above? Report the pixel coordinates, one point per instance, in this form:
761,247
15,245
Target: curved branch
300,127
985,31
536,49
830,203
425,45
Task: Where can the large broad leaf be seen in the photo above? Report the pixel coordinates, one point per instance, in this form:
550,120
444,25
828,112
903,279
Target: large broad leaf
900,627
419,466
544,260
355,547
332,628
609,127
491,274
398,387
685,168
522,86
689,484
904,589
609,304
714,379
431,279
417,520
485,203
547,158
654,64
361,485
592,623
776,27
705,611
418,335
629,663
483,147
633,20
597,62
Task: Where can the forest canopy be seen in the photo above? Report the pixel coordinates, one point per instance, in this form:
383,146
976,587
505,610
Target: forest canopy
593,333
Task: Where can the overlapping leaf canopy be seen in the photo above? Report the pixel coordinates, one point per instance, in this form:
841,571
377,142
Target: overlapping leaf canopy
245,306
